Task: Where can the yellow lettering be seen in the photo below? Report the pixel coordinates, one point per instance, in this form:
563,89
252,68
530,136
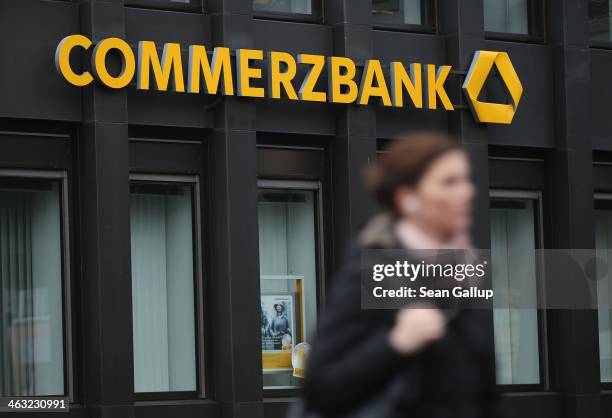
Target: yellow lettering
338,78
435,86
99,63
221,64
306,91
278,78
245,73
373,73
62,60
413,84
172,64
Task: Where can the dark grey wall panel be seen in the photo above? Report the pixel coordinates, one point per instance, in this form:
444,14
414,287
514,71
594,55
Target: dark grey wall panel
294,38
295,117
54,151
533,124
168,108
29,85
601,97
393,122
516,174
408,47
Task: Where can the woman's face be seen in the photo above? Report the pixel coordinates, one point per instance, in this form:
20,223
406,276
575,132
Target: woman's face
443,197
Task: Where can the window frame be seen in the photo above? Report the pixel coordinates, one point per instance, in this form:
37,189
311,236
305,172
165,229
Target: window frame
543,360
536,19
317,17
316,187
608,197
193,181
430,27
61,176
196,6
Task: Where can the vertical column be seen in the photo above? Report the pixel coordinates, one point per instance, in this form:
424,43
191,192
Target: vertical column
234,285
575,333
462,25
105,231
355,143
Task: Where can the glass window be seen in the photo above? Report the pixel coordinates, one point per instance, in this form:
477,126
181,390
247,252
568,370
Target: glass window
163,286
599,20
288,272
513,239
305,7
31,308
403,12
521,17
603,243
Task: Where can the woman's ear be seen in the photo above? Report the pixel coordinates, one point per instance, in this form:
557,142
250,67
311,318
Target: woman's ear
406,201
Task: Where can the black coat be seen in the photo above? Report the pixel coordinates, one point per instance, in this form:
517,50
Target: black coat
351,359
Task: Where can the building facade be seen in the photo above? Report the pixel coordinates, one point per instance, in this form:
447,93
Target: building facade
154,245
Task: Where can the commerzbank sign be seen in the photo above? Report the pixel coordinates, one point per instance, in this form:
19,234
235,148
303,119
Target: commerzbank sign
417,85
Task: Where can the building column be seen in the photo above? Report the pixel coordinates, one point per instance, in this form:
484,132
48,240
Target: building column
575,333
234,289
461,24
354,145
103,195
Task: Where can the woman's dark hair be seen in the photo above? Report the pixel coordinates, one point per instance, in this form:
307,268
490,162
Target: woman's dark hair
404,163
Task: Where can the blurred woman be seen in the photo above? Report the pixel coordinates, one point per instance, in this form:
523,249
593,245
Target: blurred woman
443,364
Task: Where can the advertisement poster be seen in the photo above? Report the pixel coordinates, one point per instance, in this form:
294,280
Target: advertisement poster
277,322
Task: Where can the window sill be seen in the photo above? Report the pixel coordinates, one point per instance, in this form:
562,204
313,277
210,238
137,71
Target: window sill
600,44
514,37
288,17
404,27
522,388
166,397
192,6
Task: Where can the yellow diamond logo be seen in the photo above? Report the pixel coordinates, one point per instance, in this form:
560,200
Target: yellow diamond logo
482,66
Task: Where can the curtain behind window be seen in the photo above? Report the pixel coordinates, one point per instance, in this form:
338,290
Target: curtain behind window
516,330
31,357
508,16
163,288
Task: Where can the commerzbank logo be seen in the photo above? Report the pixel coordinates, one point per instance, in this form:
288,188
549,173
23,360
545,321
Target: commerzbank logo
482,67
275,75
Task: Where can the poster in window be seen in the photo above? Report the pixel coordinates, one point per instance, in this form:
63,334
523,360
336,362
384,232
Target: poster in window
278,330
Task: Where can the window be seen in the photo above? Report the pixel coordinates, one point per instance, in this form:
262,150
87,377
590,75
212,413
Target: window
300,7
31,274
603,244
164,283
514,237
599,20
288,230
403,12
518,17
